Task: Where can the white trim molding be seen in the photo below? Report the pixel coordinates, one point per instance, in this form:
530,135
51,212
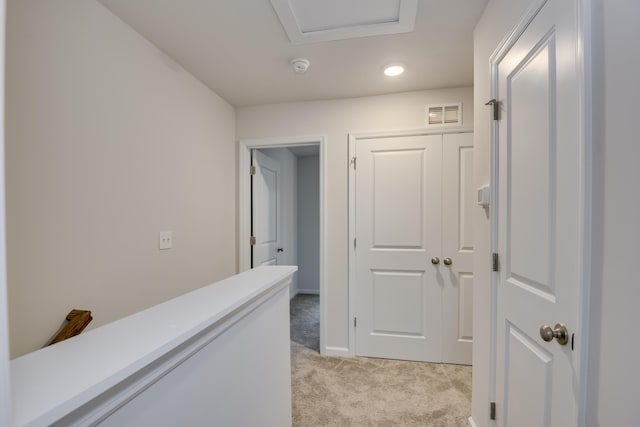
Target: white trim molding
244,206
338,352
5,383
404,23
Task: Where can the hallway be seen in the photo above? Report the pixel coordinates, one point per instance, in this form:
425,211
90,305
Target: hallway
360,391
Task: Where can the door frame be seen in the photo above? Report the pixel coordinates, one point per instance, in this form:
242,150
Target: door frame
583,59
353,139
244,206
5,381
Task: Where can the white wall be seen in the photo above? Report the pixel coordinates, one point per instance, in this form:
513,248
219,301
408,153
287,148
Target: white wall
288,215
309,224
613,369
335,119
614,373
108,141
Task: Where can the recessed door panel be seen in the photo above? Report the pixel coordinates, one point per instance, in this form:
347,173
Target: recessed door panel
466,194
270,207
531,190
465,308
398,303
398,205
528,386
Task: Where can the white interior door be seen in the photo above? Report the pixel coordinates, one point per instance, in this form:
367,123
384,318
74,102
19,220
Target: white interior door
265,204
539,223
458,202
398,227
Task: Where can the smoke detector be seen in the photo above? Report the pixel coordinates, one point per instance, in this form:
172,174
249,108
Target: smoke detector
300,65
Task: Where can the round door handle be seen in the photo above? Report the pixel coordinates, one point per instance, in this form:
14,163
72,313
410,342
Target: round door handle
448,261
559,332
435,260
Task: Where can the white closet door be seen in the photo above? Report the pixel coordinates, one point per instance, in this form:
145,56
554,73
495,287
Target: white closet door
458,203
398,228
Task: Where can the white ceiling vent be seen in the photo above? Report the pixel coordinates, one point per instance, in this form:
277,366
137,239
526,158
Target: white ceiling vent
313,21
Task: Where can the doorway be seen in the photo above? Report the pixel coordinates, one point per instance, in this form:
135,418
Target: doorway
309,243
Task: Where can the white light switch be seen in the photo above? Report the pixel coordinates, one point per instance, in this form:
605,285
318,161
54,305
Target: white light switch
166,240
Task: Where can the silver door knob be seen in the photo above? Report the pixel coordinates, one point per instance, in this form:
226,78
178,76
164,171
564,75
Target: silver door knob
559,332
435,260
448,261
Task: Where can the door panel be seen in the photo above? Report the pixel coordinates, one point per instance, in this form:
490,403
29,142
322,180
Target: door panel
265,209
458,202
398,199
529,389
465,313
406,289
398,229
538,220
530,199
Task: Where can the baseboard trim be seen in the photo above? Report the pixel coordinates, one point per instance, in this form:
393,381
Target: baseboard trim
308,291
337,352
472,423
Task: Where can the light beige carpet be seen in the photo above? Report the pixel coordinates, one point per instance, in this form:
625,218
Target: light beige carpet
355,392
333,391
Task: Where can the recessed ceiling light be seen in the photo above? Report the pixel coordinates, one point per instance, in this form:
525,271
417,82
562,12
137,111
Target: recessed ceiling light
393,70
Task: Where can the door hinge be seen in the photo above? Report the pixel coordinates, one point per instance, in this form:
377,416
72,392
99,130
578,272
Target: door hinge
353,162
354,242
492,411
496,108
252,170
495,262
355,322
252,240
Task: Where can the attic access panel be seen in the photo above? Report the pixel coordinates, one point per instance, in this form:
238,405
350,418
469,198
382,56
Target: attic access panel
313,21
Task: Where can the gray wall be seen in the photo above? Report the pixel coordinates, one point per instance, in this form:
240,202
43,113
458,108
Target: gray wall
308,224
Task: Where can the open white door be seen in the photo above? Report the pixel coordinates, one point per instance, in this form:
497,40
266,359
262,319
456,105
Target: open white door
540,215
265,202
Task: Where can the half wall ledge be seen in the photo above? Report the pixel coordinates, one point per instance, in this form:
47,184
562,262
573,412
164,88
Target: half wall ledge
198,359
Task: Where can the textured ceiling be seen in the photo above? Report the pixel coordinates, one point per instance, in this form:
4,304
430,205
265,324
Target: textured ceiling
241,51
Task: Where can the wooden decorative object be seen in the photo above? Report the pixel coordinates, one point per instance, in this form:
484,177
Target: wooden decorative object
78,320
